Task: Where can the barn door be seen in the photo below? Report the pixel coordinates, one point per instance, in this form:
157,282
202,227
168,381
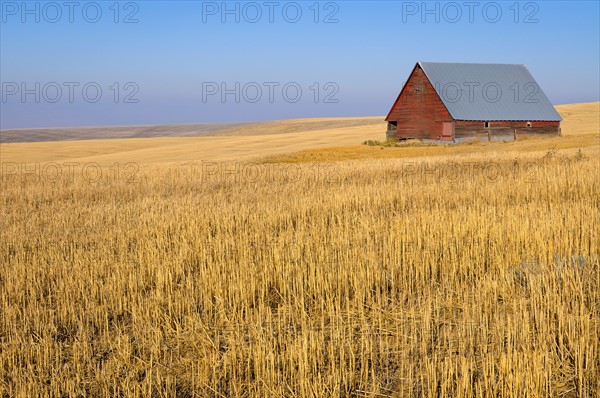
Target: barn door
448,131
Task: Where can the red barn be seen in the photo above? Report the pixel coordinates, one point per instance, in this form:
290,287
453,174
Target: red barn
453,101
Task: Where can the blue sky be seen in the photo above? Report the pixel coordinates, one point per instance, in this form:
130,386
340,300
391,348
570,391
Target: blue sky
150,62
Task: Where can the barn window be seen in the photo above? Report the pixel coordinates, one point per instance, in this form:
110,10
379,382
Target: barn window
486,125
528,124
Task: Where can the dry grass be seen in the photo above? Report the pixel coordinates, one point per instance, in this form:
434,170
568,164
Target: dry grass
454,274
581,118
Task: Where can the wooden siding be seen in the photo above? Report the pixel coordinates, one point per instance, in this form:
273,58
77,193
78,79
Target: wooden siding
419,111
474,128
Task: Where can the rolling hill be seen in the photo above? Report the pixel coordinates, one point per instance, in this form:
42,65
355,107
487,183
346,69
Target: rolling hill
313,139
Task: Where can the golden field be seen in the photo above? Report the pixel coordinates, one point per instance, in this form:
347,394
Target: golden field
302,264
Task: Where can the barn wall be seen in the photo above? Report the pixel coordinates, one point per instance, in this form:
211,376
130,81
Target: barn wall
499,129
419,112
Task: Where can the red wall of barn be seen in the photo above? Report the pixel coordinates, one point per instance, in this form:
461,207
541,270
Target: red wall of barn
419,111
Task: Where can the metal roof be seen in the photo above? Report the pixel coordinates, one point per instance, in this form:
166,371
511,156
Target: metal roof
489,91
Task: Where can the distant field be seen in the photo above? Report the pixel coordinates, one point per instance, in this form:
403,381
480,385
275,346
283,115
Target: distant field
112,132
241,144
292,261
286,140
179,130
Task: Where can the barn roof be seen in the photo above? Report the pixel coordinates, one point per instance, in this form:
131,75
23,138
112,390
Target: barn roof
489,91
